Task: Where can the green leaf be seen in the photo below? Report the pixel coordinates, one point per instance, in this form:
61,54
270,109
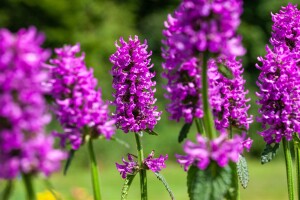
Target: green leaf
163,180
269,153
69,160
7,191
151,132
121,142
225,71
242,171
126,186
184,131
210,184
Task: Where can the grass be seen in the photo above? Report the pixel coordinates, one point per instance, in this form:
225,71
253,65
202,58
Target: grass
267,182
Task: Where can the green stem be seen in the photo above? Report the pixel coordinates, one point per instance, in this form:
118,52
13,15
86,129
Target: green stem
200,126
297,160
143,175
94,170
8,190
207,118
27,178
235,178
289,169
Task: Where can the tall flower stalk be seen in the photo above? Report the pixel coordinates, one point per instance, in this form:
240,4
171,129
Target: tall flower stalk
199,37
78,106
280,87
134,102
25,148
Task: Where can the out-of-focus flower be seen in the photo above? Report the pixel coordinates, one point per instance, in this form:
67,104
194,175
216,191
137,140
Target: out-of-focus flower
47,195
24,146
134,93
78,105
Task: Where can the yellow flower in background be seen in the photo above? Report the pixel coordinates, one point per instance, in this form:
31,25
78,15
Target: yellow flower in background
47,195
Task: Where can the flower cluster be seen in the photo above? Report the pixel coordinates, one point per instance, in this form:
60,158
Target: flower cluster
220,150
198,26
24,146
279,84
78,105
227,94
134,95
286,29
279,78
131,167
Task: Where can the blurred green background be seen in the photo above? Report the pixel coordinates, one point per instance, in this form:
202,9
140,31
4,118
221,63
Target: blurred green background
97,25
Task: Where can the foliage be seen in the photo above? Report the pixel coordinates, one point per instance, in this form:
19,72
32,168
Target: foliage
208,184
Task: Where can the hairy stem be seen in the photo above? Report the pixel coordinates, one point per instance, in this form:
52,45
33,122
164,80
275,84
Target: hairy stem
143,175
235,177
297,160
207,118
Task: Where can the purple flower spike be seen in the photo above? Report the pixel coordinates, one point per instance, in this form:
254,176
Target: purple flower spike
286,29
220,150
129,167
197,26
279,79
24,146
78,104
155,164
134,93
279,84
228,96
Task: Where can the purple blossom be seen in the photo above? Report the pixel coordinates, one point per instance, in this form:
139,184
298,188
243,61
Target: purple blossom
220,150
24,146
228,96
279,95
183,89
286,29
129,167
132,167
197,26
78,105
279,85
155,164
134,93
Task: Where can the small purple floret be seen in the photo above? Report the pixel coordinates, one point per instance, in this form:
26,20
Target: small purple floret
155,164
128,167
